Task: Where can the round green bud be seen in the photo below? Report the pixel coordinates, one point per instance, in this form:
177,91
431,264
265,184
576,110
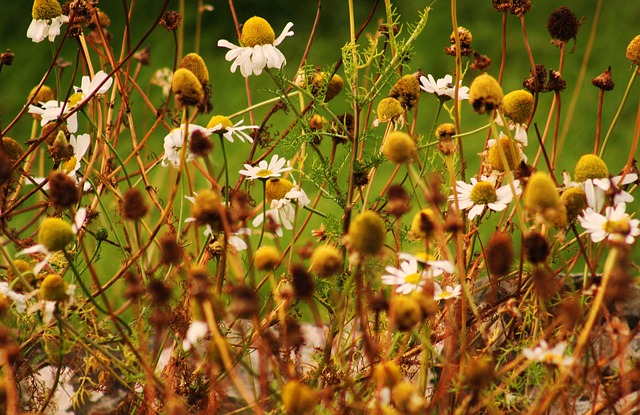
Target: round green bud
187,88
518,105
196,65
53,288
633,50
298,398
485,94
277,188
511,152
407,312
102,234
574,200
389,109
399,147
541,193
266,258
326,261
590,166
46,9
220,119
55,234
366,233
257,32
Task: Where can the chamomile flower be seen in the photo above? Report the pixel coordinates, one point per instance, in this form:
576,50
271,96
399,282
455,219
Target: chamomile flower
443,88
55,293
47,20
596,190
220,124
237,241
173,143
447,293
265,170
99,85
18,299
163,78
54,235
543,354
196,332
519,129
482,194
259,50
407,278
282,212
433,267
614,225
80,145
52,110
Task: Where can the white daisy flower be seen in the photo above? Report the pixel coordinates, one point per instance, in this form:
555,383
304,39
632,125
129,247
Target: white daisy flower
596,190
481,194
407,278
99,85
543,354
18,299
519,128
237,241
80,146
196,332
259,49
614,225
229,130
173,143
47,20
443,87
55,294
447,293
265,170
52,110
79,219
433,268
162,78
281,212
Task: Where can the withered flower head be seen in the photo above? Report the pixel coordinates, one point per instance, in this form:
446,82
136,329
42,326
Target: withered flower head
563,24
480,62
6,58
407,91
604,81
545,284
398,200
171,252
245,303
159,291
464,35
536,83
63,192
134,288
133,205
143,56
535,247
520,7
302,281
171,20
499,253
207,209
240,206
502,5
556,83
200,145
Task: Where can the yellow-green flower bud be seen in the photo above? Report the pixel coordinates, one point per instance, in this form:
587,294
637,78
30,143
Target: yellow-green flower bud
45,94
406,398
298,398
407,312
518,105
187,88
333,86
366,233
633,50
407,91
266,257
207,208
326,261
575,201
590,166
389,109
387,374
53,288
12,148
423,224
277,188
485,94
399,147
46,9
541,193
195,64
256,32
220,119
511,152
55,234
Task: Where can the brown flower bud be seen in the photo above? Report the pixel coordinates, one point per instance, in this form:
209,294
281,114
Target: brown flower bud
63,192
159,291
398,200
302,281
604,80
171,20
171,252
133,205
499,253
536,248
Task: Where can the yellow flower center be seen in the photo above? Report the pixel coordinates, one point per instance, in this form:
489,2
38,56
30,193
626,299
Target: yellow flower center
74,99
264,173
389,109
617,226
277,188
483,193
590,166
69,165
413,278
220,119
257,31
46,9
